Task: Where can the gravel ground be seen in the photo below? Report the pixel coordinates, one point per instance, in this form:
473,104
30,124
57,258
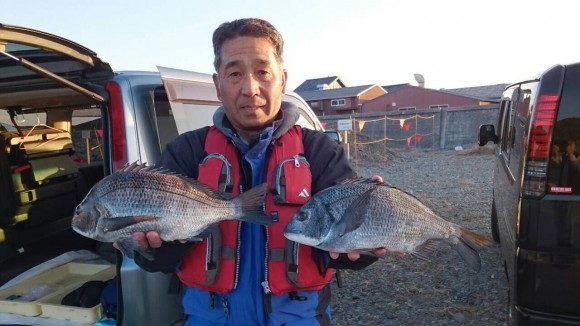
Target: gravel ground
443,291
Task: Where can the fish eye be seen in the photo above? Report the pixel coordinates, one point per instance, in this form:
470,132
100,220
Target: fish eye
302,216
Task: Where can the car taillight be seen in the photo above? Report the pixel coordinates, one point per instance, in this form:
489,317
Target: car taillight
118,137
536,173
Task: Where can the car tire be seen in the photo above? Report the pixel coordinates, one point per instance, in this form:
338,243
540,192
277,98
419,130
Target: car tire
494,223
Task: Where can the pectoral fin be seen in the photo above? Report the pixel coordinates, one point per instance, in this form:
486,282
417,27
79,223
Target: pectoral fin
354,215
117,223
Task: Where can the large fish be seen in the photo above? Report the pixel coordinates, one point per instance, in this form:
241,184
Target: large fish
142,198
362,214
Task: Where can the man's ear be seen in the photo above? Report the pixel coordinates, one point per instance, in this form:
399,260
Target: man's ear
216,83
284,79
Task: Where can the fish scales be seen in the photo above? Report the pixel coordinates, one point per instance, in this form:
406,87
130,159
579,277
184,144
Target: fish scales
361,215
138,198
391,222
130,194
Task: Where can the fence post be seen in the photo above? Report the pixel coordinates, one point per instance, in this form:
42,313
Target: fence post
353,123
442,127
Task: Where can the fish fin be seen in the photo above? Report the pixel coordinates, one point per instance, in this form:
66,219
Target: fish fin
251,203
128,246
144,168
357,180
120,222
354,215
468,245
474,240
426,249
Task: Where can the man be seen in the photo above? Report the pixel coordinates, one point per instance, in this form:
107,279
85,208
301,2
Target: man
248,274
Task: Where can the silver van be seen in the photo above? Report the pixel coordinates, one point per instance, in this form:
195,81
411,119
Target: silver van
67,120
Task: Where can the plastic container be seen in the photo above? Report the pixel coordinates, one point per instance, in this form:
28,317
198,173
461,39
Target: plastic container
41,295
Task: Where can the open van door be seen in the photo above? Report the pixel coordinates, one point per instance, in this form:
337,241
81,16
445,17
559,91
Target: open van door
43,78
48,71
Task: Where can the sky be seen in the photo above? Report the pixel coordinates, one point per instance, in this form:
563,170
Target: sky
452,43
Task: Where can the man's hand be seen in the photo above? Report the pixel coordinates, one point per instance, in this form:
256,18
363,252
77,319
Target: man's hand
355,255
149,239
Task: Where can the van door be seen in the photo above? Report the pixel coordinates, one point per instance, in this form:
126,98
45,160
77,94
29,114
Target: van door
45,82
192,97
506,174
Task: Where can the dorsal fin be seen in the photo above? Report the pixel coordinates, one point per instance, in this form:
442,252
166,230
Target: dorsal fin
365,180
362,180
143,167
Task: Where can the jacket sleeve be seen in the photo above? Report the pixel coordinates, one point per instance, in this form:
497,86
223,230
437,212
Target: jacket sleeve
181,156
329,165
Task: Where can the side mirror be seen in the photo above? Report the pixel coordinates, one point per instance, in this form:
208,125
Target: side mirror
486,134
335,135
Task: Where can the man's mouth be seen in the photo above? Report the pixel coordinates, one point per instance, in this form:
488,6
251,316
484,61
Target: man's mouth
251,107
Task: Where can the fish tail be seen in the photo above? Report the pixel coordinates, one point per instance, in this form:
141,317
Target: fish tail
468,245
251,204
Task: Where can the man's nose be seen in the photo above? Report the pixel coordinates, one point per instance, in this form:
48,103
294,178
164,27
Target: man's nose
250,85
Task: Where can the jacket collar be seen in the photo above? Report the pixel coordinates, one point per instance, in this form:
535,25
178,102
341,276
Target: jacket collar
288,116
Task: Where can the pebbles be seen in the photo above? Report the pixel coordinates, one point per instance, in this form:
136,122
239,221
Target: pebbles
443,291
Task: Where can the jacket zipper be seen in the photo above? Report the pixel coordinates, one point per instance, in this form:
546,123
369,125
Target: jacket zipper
238,245
266,283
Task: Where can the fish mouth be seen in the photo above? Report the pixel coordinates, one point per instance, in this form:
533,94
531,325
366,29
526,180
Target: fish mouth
301,238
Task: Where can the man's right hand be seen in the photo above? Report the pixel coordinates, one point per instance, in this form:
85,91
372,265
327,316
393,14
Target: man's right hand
148,239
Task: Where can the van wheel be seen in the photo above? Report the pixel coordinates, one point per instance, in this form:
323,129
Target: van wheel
494,223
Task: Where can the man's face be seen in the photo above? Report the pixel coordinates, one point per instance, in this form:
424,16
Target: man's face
250,83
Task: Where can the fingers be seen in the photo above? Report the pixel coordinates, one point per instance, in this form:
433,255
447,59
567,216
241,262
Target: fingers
355,255
381,252
377,178
154,239
144,240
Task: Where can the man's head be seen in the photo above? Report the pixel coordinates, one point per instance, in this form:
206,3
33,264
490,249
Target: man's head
250,79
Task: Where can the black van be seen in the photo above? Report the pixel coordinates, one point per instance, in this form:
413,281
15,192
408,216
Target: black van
536,195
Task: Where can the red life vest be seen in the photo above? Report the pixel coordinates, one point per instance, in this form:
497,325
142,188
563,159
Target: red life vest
212,263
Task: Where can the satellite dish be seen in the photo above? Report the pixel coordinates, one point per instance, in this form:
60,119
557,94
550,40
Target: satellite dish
420,80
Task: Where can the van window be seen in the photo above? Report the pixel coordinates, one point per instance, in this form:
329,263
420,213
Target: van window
166,124
87,136
564,168
506,121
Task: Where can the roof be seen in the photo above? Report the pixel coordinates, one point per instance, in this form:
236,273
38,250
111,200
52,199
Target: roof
312,84
488,93
334,93
394,88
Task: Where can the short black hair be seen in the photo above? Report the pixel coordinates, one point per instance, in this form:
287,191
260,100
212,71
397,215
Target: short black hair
253,27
